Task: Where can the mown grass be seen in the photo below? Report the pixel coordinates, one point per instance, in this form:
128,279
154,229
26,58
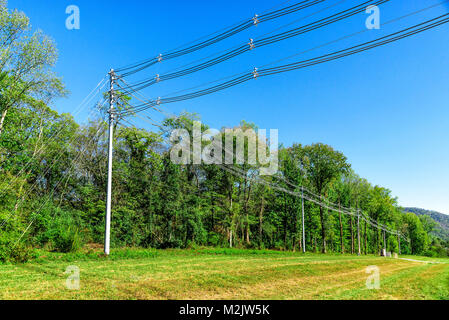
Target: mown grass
222,274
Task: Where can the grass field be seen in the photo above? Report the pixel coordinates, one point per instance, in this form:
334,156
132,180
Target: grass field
223,274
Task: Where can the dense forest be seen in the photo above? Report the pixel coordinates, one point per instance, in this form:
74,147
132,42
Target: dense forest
441,229
53,180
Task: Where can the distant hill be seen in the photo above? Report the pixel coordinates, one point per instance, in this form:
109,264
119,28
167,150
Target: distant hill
442,230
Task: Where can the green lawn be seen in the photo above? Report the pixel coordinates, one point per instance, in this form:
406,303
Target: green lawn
223,274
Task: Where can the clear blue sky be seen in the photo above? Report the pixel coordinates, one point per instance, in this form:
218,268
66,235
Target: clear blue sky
386,109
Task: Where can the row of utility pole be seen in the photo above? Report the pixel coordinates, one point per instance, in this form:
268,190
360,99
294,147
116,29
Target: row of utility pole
107,233
359,252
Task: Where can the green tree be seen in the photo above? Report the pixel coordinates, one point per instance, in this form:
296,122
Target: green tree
418,237
26,62
324,164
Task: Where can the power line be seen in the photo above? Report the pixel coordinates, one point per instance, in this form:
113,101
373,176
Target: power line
53,191
312,197
223,35
424,26
56,134
258,43
35,184
203,37
301,52
264,34
320,203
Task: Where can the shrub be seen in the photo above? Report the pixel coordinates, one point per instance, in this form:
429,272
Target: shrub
215,239
13,251
68,240
59,230
437,252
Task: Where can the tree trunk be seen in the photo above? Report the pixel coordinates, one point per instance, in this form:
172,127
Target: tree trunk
247,229
377,240
366,240
232,218
247,198
342,244
285,223
352,236
300,240
323,230
230,238
2,120
262,208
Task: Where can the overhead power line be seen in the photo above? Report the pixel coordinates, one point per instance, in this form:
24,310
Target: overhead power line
318,202
318,199
246,24
256,73
49,166
309,195
296,54
69,174
254,44
54,136
209,56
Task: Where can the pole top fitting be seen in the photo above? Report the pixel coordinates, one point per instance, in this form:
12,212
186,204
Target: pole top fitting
255,19
112,75
255,73
251,44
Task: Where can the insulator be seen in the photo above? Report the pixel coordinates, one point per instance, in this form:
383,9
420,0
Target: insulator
251,44
255,73
256,20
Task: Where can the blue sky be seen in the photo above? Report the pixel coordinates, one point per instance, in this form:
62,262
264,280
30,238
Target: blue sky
386,109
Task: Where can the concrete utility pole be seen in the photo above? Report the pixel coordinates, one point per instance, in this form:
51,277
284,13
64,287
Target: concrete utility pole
303,228
107,231
399,243
358,232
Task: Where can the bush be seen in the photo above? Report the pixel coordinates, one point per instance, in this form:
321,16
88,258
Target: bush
21,253
68,240
392,244
170,244
13,251
59,230
215,239
437,252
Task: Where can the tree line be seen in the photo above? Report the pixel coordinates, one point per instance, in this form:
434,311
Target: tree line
53,180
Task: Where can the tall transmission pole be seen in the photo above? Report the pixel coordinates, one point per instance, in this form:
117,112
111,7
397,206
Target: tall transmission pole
303,229
107,231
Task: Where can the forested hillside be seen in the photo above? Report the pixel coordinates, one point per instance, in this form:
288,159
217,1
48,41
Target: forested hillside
442,228
53,180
